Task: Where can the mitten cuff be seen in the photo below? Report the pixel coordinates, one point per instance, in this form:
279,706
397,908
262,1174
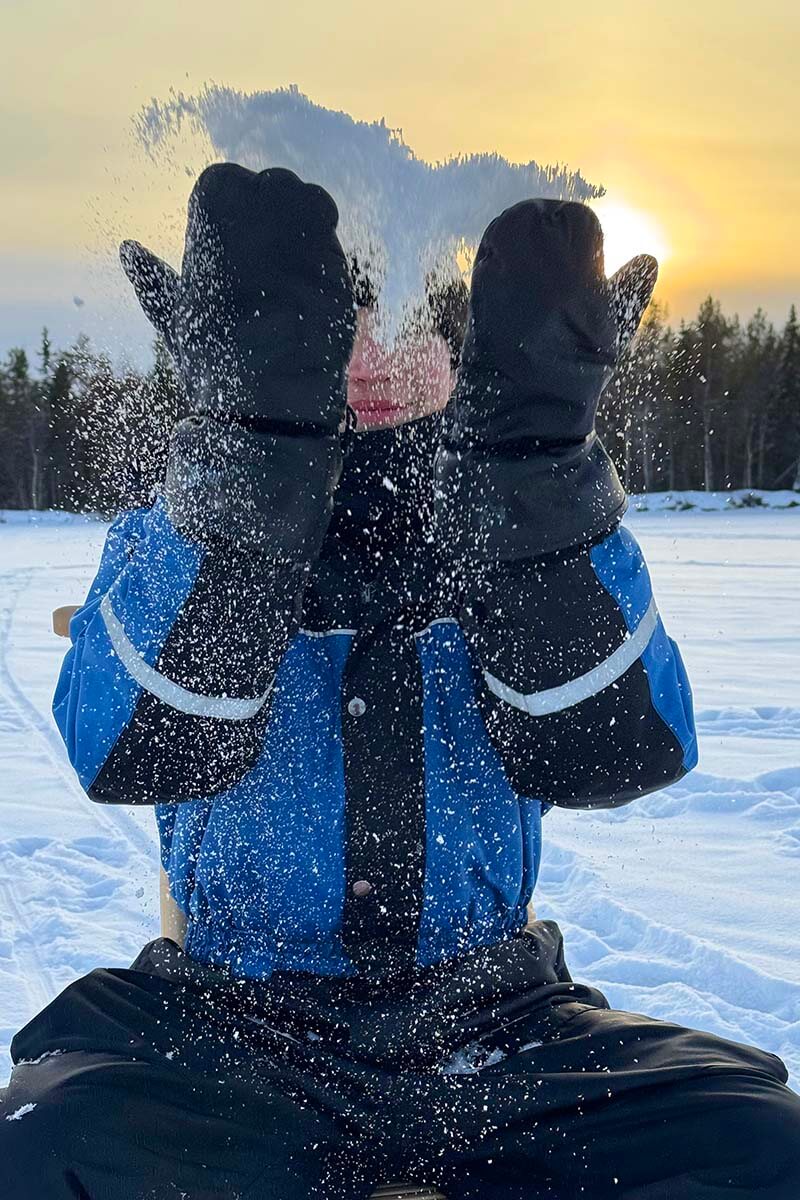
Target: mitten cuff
493,505
270,491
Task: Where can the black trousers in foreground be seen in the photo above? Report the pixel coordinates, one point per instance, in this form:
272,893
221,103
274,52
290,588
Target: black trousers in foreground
493,1077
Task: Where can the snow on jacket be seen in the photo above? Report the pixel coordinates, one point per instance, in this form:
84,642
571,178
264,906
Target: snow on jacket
350,766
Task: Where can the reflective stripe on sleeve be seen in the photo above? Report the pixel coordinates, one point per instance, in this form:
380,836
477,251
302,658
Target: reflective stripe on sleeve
553,700
193,703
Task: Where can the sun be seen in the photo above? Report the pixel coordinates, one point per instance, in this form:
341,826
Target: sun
628,231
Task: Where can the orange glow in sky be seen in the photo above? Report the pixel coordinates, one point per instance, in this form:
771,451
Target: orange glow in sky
628,231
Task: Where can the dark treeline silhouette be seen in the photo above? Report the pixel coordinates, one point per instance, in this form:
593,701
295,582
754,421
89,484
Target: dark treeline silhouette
77,434
712,405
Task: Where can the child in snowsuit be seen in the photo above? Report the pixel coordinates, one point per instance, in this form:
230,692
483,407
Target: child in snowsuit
351,670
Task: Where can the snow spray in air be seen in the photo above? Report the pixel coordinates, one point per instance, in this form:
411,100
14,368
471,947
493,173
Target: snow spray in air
405,221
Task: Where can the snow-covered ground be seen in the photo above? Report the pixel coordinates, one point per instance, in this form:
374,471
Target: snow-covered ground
715,501
684,905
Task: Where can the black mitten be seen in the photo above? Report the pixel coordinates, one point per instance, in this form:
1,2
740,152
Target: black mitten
521,470
260,323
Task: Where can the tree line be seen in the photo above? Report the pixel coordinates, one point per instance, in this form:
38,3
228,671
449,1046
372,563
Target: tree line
80,435
711,405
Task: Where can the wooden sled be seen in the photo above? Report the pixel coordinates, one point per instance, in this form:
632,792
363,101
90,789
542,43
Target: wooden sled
62,617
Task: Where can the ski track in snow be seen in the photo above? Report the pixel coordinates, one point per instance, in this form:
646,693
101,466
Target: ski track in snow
43,729
73,877
682,905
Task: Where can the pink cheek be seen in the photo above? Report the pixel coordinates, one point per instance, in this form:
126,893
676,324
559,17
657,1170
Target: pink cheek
435,370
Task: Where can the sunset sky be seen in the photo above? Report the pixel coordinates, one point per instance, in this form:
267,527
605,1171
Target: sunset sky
687,113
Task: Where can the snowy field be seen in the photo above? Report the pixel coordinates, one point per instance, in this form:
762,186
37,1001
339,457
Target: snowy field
685,905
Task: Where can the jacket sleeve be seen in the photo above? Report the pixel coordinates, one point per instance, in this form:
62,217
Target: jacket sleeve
584,695
164,693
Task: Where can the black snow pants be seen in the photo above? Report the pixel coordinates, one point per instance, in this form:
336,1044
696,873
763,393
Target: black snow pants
493,1077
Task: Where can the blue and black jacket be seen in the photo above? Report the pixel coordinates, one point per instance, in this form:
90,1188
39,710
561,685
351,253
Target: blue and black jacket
349,759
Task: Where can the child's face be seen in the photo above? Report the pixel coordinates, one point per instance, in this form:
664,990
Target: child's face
385,387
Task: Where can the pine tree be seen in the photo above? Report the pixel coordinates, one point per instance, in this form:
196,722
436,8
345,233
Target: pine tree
754,373
64,458
24,414
646,380
681,410
714,333
45,353
788,396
